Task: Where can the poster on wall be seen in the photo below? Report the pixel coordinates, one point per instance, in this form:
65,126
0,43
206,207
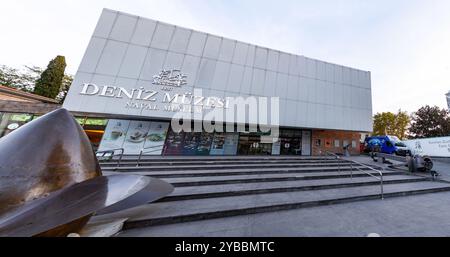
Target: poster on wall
135,137
174,143
204,144
190,143
115,134
218,144
276,148
231,143
156,137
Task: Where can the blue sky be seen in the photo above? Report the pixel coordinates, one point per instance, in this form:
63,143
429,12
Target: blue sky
405,44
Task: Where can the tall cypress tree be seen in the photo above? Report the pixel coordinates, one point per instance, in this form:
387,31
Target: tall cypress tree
51,80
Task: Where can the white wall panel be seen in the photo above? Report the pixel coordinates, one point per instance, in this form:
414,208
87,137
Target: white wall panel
330,72
283,64
133,62
302,113
212,47
270,84
240,53
221,76
227,50
301,61
354,77
92,55
180,40
123,28
292,90
346,76
190,68
247,80
321,71
153,63
282,83
293,65
174,61
258,82
163,36
105,24
143,32
206,73
302,94
196,44
111,58
311,68
272,62
235,78
250,61
338,74
261,58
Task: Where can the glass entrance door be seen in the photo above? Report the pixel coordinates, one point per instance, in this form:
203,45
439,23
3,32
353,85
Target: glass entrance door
290,142
250,144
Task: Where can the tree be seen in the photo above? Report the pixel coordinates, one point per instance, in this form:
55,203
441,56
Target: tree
430,122
19,79
51,81
67,81
388,123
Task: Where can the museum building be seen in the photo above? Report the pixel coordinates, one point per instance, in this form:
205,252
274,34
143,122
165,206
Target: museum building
137,73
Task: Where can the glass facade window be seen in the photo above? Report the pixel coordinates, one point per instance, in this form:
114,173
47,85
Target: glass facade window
12,121
346,143
94,128
337,143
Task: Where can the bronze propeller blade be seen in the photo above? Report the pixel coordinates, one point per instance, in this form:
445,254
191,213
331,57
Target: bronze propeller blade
43,156
155,190
70,204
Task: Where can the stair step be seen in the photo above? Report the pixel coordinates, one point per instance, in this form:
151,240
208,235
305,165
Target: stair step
258,178
234,172
224,166
200,209
126,158
195,192
207,162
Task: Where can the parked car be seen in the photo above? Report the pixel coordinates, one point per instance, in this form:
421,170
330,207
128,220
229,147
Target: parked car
386,144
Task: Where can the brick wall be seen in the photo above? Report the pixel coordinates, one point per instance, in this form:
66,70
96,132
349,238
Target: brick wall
27,107
327,141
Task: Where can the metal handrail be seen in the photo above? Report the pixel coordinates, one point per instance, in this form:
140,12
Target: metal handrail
337,158
363,165
113,153
370,174
143,150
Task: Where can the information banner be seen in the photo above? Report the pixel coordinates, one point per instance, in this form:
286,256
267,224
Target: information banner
135,137
231,143
115,134
156,138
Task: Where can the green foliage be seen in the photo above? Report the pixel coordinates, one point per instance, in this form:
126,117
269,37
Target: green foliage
388,123
20,79
430,122
50,84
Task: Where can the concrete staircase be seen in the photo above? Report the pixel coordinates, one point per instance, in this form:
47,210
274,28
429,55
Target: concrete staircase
217,187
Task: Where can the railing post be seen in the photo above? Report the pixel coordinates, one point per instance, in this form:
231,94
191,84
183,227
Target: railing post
120,158
351,170
381,183
339,165
139,159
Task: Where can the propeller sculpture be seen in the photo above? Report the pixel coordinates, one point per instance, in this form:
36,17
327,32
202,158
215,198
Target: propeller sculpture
51,183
